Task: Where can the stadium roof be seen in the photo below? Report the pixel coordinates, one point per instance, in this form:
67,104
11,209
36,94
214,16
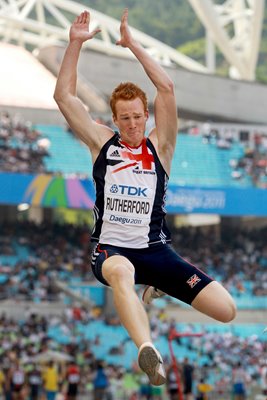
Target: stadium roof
233,26
24,81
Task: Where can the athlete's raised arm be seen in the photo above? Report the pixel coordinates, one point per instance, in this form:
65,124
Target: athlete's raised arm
74,111
165,108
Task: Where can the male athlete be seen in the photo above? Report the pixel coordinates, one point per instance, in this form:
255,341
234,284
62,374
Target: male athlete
131,175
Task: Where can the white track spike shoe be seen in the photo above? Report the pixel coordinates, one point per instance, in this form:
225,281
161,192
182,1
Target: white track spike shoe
151,293
150,361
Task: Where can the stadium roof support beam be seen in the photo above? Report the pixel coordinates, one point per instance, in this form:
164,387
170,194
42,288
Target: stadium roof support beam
234,26
257,23
245,19
28,19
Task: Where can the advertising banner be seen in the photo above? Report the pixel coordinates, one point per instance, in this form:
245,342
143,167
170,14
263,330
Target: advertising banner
222,201
57,191
46,191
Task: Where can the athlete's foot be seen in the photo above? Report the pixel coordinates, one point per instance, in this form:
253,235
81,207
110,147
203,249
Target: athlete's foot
151,293
150,361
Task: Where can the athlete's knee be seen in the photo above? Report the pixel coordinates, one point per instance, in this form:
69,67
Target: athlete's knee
120,277
216,302
118,271
224,310
228,313
227,306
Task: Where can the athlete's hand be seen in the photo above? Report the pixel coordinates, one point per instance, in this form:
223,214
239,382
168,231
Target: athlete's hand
80,28
126,37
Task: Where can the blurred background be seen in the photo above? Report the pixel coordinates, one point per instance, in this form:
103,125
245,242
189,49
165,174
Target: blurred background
59,331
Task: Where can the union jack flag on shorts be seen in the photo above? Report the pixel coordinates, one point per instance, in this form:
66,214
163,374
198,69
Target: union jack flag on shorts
193,280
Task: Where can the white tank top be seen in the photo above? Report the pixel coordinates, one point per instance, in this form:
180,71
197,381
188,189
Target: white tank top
131,189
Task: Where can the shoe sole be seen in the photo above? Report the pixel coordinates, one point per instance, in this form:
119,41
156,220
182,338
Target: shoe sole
147,298
148,361
144,296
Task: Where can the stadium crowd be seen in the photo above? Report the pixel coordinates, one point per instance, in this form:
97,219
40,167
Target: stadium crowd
252,163
33,364
33,256
61,251
23,148
235,256
52,252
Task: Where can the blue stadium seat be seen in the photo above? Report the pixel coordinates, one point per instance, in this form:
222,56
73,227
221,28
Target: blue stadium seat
195,162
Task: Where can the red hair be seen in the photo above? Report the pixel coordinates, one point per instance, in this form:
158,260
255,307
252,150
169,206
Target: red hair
127,91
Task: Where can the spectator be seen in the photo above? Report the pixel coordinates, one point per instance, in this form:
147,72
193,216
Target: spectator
51,381
145,389
17,379
203,388
187,372
35,383
100,382
73,380
2,382
174,382
240,380
263,375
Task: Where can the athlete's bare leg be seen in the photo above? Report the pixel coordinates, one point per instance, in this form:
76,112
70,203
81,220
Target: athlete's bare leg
216,302
119,273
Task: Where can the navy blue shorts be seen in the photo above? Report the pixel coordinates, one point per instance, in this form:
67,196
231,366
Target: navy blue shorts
159,266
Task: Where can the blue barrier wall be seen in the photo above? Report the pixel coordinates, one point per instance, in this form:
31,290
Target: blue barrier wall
56,191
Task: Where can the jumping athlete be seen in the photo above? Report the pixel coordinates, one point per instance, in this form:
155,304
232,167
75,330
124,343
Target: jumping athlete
131,173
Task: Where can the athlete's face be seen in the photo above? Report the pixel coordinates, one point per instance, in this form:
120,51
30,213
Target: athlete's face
131,120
